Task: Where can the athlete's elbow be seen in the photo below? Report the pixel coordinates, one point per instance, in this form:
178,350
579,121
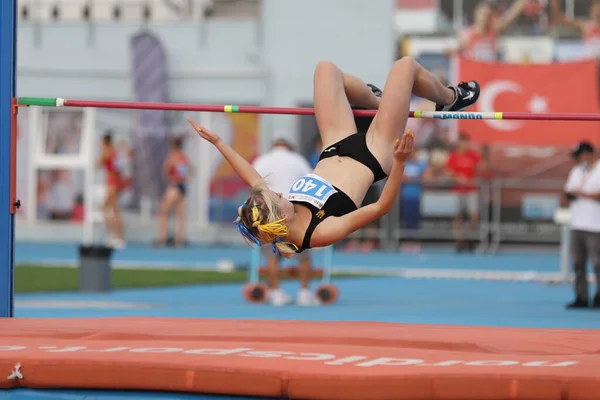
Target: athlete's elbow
383,207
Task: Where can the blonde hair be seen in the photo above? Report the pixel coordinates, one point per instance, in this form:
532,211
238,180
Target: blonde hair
261,216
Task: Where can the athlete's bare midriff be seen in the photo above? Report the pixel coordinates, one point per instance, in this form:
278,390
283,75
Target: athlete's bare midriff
348,175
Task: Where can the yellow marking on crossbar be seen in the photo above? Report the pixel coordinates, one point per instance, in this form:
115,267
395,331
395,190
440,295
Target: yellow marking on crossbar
498,115
417,114
228,109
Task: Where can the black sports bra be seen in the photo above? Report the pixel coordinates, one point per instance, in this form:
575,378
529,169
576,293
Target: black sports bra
322,199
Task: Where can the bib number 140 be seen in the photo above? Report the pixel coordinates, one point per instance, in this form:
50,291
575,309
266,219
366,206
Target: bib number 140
309,187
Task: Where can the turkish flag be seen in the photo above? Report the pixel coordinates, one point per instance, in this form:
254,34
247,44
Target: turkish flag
534,88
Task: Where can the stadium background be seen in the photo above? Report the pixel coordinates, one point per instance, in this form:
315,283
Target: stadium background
263,53
248,52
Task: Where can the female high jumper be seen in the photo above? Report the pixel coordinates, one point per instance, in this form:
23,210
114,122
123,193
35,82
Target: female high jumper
322,207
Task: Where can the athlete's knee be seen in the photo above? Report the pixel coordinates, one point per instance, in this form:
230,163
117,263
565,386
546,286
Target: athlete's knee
406,65
326,68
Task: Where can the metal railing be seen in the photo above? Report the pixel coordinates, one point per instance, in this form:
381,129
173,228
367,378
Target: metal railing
509,211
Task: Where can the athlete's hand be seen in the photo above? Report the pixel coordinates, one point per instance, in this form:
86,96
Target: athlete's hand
204,133
403,148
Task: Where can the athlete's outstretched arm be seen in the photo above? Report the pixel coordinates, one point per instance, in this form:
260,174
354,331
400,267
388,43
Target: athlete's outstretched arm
336,229
237,162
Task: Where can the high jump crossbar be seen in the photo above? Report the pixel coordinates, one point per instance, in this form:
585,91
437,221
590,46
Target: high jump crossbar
59,102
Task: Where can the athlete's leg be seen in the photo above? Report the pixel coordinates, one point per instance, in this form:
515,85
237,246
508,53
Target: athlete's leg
275,294
304,269
334,91
180,215
119,230
273,269
407,77
167,203
109,220
305,297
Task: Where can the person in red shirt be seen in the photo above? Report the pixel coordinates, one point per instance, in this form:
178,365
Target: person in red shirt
462,166
109,160
177,168
479,40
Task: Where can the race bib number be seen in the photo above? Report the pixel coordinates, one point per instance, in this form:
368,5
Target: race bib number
311,189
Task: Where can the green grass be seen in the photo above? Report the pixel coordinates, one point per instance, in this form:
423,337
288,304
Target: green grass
31,278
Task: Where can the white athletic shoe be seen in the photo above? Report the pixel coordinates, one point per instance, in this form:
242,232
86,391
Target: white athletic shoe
278,297
306,298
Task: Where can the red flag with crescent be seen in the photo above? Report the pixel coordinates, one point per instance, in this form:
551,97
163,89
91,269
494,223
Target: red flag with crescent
570,87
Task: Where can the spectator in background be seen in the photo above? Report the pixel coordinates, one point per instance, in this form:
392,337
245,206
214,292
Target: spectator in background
435,172
43,187
462,166
532,13
479,40
109,160
177,169
61,197
589,30
486,173
410,198
281,167
583,190
485,170
78,214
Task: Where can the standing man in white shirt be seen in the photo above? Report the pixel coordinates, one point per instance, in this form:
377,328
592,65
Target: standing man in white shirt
281,167
583,191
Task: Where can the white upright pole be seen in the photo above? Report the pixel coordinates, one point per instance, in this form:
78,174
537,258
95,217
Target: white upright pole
89,203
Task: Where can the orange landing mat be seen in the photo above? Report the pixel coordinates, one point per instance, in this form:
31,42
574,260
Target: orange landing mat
300,360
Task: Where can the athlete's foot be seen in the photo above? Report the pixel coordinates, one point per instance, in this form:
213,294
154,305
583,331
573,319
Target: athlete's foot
466,94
